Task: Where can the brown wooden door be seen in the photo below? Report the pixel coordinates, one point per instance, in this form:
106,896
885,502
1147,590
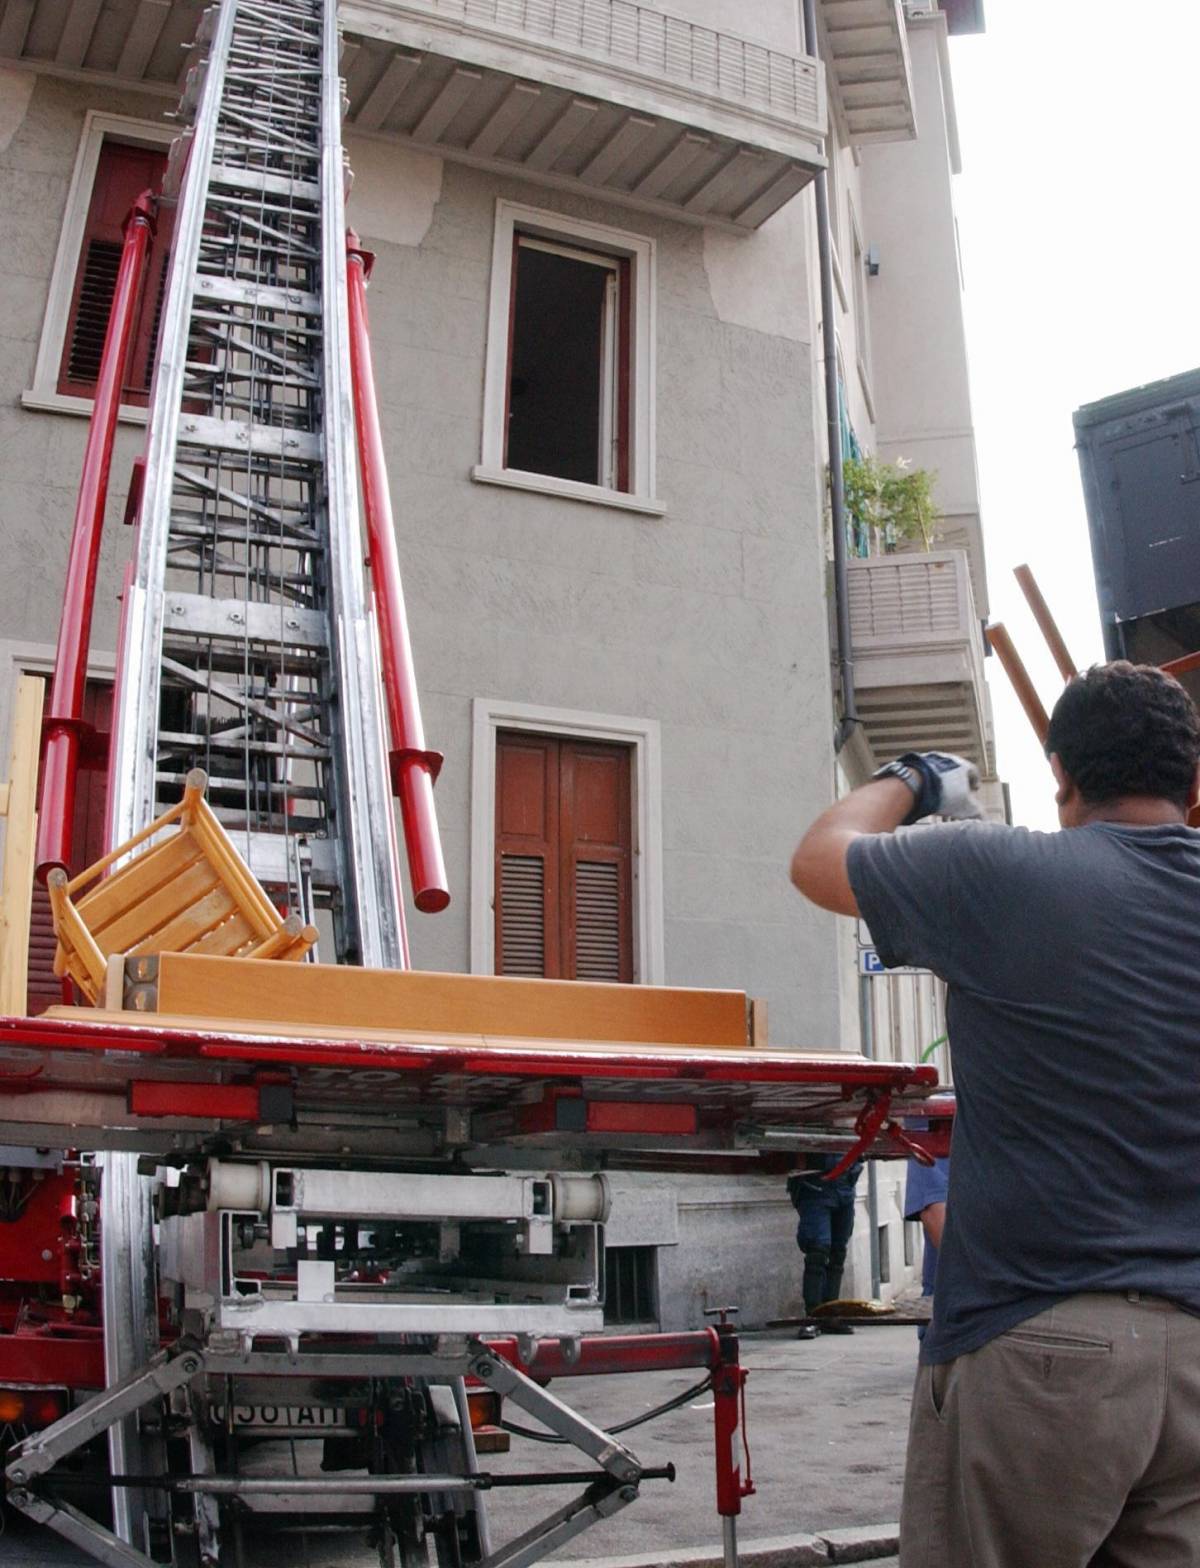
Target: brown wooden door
564,858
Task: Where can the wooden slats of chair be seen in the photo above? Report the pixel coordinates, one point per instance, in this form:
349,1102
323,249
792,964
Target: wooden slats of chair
190,892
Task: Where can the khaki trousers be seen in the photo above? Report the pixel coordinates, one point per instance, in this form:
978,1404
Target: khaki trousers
1072,1441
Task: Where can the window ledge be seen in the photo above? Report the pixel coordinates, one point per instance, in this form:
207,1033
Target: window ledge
81,407
570,489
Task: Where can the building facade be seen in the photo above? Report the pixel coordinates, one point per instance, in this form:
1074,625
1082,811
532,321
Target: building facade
596,319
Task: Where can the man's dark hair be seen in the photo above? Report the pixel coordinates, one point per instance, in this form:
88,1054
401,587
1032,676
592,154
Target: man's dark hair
1127,729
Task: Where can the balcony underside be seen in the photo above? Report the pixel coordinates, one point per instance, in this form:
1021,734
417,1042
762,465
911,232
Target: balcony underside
610,97
606,96
940,716
866,52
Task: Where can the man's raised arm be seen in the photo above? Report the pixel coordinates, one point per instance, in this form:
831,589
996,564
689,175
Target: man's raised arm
919,784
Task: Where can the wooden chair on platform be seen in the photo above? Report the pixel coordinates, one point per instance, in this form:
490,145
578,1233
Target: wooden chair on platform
190,892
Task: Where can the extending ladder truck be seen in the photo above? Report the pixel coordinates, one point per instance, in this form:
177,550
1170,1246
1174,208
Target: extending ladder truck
331,1188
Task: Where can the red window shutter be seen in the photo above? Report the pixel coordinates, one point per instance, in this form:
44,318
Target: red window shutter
597,861
122,173
564,898
527,858
45,989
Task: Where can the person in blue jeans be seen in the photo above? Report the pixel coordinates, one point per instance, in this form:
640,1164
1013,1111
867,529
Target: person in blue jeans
823,1230
925,1200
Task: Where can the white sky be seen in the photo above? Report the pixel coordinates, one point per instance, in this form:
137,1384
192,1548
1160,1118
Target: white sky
1080,235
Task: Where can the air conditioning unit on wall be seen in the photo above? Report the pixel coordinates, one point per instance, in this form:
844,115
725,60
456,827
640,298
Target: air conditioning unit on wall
920,7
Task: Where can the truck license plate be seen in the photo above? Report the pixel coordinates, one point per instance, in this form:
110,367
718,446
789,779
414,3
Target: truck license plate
281,1418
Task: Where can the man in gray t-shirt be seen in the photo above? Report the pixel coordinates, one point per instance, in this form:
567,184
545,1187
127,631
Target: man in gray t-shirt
1056,1418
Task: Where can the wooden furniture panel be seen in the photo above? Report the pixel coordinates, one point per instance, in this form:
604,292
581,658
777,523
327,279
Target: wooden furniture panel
322,996
191,889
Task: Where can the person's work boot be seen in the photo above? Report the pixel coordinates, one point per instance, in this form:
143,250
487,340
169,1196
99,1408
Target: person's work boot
808,1331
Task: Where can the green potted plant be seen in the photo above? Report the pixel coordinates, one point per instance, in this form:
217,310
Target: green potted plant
893,501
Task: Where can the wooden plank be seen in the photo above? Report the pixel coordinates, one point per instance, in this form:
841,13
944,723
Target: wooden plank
145,917
319,995
291,940
139,879
78,955
226,939
200,917
97,867
20,842
234,872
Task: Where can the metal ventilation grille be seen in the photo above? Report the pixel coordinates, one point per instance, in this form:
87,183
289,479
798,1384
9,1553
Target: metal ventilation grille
522,915
597,920
91,318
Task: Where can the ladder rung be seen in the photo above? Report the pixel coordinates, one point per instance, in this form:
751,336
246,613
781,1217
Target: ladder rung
274,624
235,435
265,296
224,174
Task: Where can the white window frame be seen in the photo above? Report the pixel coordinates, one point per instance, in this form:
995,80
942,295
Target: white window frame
489,716
862,318
97,126
601,239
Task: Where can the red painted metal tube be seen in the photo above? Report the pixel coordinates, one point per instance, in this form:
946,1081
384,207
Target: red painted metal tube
591,1356
63,727
414,767
729,1428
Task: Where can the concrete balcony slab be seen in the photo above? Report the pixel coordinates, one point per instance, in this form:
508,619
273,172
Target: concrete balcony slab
866,51
610,96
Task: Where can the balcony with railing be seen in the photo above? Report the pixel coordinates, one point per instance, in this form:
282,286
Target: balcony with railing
612,97
918,655
616,97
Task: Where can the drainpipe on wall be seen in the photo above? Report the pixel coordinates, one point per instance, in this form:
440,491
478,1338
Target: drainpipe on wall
833,424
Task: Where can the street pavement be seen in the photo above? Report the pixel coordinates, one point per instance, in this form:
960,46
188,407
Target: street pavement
826,1421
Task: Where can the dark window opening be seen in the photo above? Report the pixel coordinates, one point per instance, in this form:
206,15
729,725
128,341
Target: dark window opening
568,381
885,1257
564,858
122,174
629,1285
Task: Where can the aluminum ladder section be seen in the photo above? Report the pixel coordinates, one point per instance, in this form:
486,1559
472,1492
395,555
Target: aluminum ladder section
248,649
246,645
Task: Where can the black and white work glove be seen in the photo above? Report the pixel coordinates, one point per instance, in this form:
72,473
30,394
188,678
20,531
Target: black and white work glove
943,785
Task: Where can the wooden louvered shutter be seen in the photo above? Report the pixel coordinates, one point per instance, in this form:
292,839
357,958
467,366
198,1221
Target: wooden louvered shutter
563,859
45,989
122,173
527,859
596,872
